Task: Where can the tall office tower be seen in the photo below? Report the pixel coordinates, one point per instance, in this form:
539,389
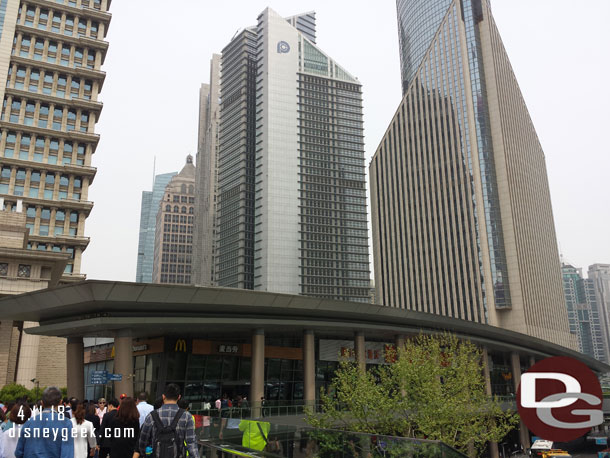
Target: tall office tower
462,218
584,313
303,201
206,181
148,223
173,253
599,274
234,262
51,53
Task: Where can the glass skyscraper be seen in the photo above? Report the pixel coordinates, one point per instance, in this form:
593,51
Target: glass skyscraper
585,313
462,218
148,219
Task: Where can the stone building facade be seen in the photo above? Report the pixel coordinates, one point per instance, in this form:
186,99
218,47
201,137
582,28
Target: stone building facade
173,256
51,54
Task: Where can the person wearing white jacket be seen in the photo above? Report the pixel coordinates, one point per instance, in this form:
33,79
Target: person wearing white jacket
8,439
83,432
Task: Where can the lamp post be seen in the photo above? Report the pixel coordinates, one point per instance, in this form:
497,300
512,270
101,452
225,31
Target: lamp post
37,382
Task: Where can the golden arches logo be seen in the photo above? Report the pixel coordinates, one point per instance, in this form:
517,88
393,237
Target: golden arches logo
180,345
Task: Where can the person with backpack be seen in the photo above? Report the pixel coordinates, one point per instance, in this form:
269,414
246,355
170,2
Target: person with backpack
168,432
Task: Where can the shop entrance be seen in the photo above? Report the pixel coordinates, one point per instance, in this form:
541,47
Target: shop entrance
235,389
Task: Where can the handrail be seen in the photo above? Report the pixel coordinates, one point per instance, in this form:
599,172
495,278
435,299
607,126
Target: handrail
344,444
256,411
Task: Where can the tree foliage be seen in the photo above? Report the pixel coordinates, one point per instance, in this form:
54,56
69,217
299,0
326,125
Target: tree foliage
434,389
14,391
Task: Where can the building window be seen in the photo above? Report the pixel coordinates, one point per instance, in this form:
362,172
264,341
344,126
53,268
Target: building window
74,88
43,19
38,49
65,55
84,121
58,114
15,111
24,271
52,52
69,25
34,80
3,269
30,13
56,22
94,29
78,57
25,47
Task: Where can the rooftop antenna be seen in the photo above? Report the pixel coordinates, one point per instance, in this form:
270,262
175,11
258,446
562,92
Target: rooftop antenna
154,168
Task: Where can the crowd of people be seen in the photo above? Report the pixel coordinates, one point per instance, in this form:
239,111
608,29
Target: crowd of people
57,427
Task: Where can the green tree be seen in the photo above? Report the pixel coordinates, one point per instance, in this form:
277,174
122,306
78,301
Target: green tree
434,389
14,391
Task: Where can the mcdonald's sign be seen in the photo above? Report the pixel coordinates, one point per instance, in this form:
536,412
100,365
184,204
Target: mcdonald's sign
180,345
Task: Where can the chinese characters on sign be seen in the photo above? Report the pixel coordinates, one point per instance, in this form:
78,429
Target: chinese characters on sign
333,350
228,349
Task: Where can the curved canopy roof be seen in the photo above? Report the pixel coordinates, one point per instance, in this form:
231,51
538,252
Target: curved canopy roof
96,308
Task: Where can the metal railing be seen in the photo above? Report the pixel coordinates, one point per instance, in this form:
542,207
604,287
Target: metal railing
300,442
266,410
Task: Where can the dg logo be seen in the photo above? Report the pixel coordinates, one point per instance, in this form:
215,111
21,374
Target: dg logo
283,47
560,399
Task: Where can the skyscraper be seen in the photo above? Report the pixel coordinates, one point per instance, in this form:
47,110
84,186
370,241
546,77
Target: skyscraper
462,218
175,217
148,223
599,274
234,262
291,179
584,313
51,53
206,181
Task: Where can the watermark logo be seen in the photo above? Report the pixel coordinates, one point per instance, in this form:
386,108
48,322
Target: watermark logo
560,399
283,47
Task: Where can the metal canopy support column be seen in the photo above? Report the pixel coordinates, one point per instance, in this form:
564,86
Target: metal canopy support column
493,446
257,381
515,363
309,367
359,347
123,363
75,355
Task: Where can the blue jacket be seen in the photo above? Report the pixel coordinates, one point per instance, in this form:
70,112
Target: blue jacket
58,442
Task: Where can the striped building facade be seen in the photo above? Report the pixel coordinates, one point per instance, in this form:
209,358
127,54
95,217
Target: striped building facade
461,209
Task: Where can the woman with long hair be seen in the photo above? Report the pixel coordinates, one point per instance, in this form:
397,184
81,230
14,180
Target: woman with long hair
19,414
91,416
82,431
125,428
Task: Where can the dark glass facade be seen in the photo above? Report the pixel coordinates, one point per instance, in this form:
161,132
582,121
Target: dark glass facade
333,219
236,157
472,14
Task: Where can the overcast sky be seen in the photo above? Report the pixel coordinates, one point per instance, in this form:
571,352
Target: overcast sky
159,56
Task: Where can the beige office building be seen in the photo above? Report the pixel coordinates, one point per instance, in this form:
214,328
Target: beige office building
462,218
173,258
206,180
51,53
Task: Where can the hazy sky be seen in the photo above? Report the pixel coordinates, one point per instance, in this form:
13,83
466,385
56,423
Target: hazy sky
159,56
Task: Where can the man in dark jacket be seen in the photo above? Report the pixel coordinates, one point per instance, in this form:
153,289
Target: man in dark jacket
105,430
